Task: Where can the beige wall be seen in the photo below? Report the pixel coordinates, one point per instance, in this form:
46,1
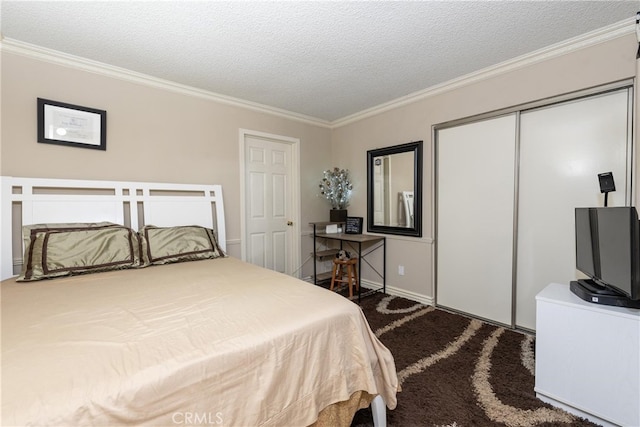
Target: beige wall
160,135
152,135
603,63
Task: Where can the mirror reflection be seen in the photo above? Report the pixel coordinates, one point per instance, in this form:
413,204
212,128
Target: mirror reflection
393,190
394,176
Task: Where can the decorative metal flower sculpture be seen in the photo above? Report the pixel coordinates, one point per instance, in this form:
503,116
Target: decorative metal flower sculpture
336,187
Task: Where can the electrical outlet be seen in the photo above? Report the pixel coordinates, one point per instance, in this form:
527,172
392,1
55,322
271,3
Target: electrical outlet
401,270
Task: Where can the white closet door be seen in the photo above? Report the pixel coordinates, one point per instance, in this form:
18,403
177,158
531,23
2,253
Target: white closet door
562,150
475,191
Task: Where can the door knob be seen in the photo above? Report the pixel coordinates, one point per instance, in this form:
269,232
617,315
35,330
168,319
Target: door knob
289,223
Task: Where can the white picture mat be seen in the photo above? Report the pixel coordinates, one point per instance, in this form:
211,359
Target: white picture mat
69,125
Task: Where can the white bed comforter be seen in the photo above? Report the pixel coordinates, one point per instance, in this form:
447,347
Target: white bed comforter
216,342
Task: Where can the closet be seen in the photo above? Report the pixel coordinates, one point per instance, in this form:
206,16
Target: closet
506,188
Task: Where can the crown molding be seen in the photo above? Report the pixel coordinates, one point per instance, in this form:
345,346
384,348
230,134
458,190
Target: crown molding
592,38
17,47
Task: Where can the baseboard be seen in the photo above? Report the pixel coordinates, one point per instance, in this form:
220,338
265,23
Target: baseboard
391,290
368,284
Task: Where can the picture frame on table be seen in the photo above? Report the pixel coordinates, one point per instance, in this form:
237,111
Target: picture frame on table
72,125
353,225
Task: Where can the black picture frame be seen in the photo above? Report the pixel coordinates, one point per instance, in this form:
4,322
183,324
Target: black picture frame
353,225
72,125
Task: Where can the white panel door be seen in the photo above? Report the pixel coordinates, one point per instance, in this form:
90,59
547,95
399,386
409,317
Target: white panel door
562,150
475,218
268,204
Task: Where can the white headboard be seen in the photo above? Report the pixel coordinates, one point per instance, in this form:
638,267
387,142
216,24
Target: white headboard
134,204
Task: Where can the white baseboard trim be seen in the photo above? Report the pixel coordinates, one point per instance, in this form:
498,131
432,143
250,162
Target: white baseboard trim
413,296
391,290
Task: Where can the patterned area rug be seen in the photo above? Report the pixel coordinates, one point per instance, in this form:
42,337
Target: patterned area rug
457,371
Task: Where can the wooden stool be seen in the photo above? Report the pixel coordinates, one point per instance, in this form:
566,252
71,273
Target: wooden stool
345,267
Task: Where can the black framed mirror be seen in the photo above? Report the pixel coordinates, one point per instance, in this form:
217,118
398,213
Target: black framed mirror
394,189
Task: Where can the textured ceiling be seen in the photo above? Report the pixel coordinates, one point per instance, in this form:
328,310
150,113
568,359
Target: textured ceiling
326,60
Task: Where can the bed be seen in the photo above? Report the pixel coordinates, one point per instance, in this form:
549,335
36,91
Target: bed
188,338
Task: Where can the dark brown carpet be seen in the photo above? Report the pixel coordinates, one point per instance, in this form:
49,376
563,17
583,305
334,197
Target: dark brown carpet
456,371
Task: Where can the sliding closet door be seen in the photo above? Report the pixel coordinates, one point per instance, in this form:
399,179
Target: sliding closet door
475,218
562,150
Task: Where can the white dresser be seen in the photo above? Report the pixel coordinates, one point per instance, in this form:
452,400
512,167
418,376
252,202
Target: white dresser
588,357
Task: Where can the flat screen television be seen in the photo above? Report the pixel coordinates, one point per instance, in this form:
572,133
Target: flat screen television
608,252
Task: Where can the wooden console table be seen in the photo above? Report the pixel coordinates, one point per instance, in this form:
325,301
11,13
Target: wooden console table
354,240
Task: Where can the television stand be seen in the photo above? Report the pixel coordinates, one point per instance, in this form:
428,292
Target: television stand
591,291
587,357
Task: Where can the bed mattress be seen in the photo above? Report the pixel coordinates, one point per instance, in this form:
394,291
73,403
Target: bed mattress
219,342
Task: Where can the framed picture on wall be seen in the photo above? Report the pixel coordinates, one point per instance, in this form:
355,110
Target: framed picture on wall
67,124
